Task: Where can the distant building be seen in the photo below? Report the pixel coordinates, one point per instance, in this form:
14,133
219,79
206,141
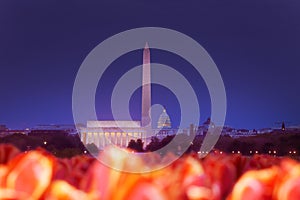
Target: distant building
264,130
4,131
3,127
44,130
283,126
164,120
104,133
203,129
69,128
47,132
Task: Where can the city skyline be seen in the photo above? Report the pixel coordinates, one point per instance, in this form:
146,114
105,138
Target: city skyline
255,46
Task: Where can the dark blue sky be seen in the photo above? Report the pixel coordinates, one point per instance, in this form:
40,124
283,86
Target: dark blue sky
255,45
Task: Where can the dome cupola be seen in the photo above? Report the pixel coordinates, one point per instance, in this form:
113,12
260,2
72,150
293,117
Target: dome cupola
164,120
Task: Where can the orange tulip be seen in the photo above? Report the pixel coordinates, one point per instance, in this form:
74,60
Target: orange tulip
7,153
255,184
28,176
288,183
61,190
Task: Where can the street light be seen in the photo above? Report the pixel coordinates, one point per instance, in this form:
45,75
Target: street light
45,142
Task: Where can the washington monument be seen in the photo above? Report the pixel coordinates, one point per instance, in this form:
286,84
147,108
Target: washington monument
146,89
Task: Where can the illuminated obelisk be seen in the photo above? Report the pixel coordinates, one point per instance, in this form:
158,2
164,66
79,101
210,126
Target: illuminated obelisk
146,89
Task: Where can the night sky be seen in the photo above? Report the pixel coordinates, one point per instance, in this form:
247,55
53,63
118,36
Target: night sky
255,45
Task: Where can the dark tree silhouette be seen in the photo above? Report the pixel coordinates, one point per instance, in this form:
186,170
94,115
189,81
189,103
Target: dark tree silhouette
153,145
136,145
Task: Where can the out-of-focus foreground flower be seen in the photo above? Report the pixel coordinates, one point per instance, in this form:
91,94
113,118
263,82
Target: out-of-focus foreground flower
39,175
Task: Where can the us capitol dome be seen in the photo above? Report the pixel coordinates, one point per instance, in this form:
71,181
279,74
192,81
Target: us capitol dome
164,120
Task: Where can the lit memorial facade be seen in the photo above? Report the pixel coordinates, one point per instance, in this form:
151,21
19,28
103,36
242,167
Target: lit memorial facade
104,133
